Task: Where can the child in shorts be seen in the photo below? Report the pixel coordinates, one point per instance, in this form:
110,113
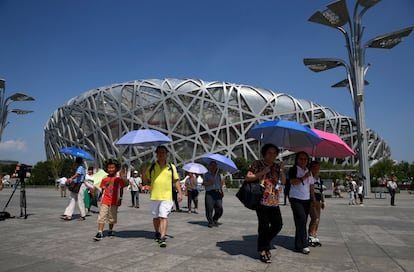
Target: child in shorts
112,190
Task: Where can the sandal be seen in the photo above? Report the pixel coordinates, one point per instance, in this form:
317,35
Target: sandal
265,259
82,218
268,254
67,218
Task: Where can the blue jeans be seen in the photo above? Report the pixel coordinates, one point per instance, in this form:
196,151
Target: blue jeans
135,198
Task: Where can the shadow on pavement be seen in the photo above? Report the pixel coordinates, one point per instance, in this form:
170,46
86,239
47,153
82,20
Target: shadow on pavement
246,247
135,234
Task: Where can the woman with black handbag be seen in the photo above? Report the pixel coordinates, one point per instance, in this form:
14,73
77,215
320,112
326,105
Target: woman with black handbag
271,176
77,195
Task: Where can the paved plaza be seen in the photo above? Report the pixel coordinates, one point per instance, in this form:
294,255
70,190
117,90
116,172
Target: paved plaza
375,237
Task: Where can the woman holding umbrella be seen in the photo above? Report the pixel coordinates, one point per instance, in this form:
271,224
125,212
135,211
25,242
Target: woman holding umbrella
268,213
192,192
300,195
78,177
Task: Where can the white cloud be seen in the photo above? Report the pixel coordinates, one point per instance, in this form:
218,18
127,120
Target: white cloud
13,145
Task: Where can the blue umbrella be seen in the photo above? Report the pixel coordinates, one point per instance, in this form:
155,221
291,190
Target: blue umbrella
144,137
223,162
284,133
77,152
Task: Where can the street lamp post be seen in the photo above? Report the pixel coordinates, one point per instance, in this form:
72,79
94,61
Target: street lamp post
336,16
4,104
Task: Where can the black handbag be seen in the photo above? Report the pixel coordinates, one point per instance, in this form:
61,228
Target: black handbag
250,194
74,187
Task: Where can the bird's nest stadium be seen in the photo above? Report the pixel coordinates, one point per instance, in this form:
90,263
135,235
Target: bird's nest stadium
200,117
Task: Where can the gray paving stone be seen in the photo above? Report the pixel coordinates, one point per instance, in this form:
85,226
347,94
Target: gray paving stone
375,237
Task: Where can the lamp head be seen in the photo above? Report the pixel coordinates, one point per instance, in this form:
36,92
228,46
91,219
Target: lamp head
20,97
368,3
319,65
345,83
389,40
20,111
336,15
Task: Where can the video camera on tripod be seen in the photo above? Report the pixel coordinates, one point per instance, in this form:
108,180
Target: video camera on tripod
22,171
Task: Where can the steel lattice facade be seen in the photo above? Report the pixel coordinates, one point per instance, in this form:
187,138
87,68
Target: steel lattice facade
201,117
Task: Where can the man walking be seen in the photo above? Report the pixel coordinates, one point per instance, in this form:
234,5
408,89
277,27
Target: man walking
213,185
162,176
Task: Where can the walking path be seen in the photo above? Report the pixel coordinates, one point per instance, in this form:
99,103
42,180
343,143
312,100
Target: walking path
375,237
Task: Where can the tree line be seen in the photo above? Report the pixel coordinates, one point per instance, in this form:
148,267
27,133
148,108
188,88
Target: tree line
46,172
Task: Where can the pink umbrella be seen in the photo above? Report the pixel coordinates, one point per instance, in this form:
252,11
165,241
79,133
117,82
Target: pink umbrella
331,146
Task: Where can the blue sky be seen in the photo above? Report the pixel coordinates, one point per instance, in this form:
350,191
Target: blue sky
56,50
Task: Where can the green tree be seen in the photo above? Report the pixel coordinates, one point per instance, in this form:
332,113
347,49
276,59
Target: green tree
402,170
41,174
243,166
382,169
335,171
7,169
61,167
45,173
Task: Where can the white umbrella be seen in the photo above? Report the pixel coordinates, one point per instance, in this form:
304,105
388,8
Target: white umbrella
196,168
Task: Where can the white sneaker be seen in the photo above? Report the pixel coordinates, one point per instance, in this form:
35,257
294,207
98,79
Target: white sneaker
306,250
312,239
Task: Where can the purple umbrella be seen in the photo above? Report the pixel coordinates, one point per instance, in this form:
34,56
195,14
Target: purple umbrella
144,137
223,162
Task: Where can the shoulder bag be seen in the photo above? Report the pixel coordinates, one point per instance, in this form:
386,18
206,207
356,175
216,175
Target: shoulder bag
74,187
250,194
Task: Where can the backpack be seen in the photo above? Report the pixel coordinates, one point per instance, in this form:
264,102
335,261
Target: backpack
169,168
5,215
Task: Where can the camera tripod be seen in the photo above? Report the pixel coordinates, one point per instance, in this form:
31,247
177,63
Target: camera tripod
22,197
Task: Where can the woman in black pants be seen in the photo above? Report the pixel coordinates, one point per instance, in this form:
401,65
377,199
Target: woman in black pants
300,195
268,213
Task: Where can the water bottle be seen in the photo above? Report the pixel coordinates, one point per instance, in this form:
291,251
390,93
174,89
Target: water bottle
277,186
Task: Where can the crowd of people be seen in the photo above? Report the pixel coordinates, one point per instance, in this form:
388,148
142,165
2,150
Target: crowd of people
301,185
165,190
355,191
304,189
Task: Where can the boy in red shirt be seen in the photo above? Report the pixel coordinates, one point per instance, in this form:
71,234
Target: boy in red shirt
112,191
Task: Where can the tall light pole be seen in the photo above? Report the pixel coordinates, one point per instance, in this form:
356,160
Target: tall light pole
4,105
336,15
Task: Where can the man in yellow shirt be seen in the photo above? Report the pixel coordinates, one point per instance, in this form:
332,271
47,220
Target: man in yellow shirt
162,176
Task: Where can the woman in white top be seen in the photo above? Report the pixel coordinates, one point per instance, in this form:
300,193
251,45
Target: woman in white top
300,194
392,187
